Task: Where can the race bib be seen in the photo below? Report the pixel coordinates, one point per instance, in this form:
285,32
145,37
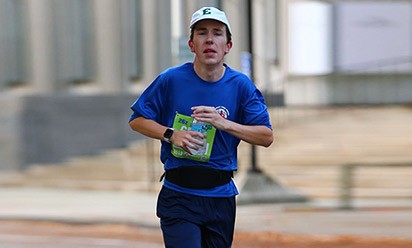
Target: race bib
183,122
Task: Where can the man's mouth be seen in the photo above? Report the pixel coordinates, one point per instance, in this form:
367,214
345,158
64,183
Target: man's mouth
209,51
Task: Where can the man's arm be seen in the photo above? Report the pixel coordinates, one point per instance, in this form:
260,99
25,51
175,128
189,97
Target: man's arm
256,135
152,129
148,127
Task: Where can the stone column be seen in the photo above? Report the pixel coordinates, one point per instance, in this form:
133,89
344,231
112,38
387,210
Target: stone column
284,38
156,38
149,23
164,32
109,60
236,12
41,45
262,27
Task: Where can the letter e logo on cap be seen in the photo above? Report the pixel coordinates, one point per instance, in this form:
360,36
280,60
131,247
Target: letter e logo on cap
207,11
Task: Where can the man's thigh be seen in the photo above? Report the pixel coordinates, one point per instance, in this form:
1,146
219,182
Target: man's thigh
180,233
206,220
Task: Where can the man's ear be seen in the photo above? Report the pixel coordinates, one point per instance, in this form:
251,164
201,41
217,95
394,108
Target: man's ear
228,47
190,43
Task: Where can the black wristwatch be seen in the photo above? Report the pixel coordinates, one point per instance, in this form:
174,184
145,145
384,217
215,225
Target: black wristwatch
168,134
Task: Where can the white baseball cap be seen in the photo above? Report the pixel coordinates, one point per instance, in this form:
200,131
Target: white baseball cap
209,13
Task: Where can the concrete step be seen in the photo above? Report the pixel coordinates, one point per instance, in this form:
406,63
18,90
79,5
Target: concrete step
310,147
114,169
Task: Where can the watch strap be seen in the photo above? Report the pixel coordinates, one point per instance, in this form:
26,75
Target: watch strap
168,134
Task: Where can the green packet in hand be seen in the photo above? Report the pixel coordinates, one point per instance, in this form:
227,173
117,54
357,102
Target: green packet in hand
184,122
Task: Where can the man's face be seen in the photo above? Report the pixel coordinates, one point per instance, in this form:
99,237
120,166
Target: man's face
209,42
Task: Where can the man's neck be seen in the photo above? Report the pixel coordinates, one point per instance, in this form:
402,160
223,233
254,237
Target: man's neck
211,73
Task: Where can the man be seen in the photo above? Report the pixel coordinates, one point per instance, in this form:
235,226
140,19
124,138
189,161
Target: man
196,204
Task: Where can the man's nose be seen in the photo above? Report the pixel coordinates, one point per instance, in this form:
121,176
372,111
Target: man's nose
209,39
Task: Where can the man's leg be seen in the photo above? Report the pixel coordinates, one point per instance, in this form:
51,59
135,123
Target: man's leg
178,219
218,233
207,220
180,233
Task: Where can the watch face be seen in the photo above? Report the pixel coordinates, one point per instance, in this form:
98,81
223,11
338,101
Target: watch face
168,133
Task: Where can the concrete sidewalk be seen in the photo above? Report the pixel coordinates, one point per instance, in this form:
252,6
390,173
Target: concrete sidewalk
138,208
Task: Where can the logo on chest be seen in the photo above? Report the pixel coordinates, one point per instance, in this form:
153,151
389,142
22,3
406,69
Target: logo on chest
224,112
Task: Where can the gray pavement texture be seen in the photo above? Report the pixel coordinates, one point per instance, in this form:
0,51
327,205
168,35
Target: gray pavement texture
24,241
137,208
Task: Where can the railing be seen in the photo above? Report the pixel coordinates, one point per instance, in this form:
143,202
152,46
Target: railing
347,179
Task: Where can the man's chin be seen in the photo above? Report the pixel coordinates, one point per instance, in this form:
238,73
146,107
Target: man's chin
211,61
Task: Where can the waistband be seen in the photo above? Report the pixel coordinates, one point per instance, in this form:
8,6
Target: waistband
197,177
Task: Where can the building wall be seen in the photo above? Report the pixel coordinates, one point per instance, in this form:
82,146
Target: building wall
356,52
75,63
62,126
119,46
81,58
350,89
10,135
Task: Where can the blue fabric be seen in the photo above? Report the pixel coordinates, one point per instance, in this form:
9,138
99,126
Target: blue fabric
189,221
178,89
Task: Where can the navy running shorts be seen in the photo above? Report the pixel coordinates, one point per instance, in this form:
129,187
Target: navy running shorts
189,221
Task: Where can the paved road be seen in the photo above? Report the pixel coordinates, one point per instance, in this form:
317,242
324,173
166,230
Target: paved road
38,234
43,234
24,241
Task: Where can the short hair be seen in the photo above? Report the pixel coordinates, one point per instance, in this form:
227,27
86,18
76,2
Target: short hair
228,34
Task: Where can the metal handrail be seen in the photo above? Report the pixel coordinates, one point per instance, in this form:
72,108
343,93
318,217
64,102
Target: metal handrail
346,181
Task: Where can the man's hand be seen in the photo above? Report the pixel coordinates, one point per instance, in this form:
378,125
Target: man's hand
187,139
209,114
253,134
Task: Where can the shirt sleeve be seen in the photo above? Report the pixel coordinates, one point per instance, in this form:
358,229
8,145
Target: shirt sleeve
150,102
255,111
